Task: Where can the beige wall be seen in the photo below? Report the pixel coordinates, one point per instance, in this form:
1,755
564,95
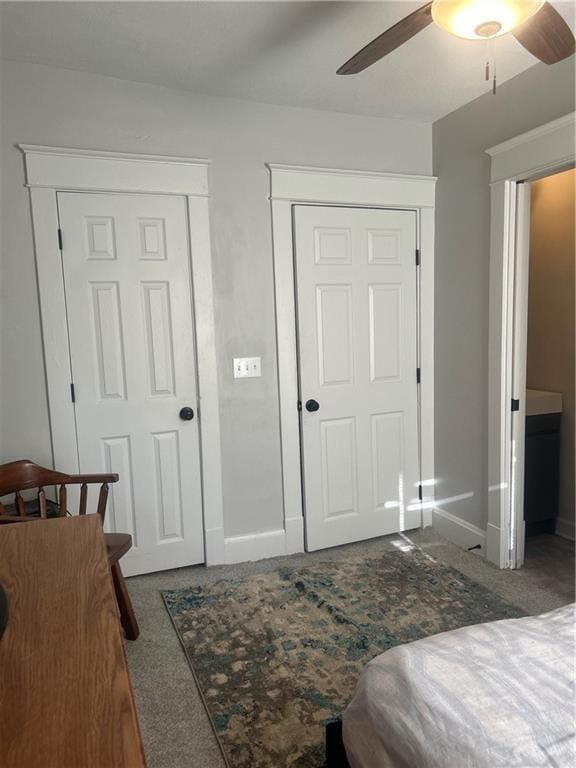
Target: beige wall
551,314
533,98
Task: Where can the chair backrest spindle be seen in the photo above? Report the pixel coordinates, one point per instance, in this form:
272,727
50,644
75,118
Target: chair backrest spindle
18,476
62,496
102,499
19,502
83,498
42,502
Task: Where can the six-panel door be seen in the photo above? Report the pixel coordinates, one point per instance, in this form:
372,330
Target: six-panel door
357,341
126,264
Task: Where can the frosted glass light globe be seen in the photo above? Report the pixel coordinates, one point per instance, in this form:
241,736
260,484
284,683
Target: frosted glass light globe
482,19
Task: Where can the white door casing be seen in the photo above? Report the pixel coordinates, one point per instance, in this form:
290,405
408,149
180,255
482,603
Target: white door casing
292,185
131,333
517,531
540,152
50,170
357,339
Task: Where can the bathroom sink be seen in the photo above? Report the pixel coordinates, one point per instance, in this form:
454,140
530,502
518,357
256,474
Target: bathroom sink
540,402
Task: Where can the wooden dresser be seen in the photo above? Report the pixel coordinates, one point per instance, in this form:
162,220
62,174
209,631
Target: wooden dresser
65,694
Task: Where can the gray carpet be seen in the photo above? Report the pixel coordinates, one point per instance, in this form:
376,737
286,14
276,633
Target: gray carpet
175,727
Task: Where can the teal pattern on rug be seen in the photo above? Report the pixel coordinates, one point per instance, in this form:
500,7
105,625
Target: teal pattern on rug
278,654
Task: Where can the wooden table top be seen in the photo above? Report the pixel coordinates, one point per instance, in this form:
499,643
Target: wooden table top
65,694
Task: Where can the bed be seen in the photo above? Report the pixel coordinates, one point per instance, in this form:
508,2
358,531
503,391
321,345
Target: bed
495,695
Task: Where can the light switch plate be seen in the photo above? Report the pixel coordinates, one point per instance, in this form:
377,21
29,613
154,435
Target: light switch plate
247,367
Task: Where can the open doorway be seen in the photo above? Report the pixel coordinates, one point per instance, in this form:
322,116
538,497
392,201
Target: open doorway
517,165
549,453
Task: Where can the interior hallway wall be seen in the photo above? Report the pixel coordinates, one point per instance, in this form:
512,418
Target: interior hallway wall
533,98
42,105
551,320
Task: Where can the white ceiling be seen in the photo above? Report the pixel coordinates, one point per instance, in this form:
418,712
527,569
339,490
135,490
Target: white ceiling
274,52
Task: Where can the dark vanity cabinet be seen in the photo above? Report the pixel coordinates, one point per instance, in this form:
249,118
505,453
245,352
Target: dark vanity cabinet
541,473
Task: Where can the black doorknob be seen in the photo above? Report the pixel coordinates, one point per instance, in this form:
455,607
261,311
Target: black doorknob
187,414
312,405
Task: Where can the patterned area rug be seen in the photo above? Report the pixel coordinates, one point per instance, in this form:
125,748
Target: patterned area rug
278,654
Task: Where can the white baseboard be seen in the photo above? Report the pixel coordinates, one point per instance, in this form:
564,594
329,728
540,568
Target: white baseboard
294,535
565,528
214,541
254,546
258,546
493,545
427,516
458,531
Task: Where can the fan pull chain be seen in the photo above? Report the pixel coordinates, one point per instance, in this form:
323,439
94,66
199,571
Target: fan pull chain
493,52
490,63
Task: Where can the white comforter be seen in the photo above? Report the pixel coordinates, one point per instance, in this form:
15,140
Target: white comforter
496,695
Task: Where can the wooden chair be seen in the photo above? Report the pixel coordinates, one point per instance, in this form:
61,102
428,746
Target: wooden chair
18,476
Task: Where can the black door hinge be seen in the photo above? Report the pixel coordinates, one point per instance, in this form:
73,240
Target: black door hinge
420,491
515,405
418,375
72,392
60,239
417,257
299,405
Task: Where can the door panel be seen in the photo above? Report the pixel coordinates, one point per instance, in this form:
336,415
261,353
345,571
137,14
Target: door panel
339,470
387,446
129,305
385,328
357,341
159,338
121,509
108,341
334,303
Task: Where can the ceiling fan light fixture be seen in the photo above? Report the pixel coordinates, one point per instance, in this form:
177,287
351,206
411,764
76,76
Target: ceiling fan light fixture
483,19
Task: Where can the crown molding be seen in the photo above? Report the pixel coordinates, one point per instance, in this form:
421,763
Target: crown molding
40,149
536,133
339,186
548,148
66,168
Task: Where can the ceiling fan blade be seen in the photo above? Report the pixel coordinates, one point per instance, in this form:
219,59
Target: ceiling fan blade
546,35
388,41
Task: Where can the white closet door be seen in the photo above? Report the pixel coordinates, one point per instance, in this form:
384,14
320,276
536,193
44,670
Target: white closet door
126,267
357,336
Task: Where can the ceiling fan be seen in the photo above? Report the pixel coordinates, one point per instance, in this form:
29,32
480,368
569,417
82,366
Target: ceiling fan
536,25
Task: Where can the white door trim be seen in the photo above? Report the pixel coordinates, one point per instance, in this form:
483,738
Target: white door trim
50,170
290,185
542,151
